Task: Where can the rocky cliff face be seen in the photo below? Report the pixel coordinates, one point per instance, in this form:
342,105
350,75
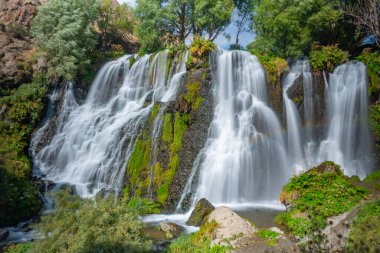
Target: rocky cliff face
15,41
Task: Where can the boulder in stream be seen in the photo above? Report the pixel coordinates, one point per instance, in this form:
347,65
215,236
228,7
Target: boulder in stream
200,213
171,230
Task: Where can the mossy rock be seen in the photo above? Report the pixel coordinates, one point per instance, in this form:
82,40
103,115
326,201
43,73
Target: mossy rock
200,213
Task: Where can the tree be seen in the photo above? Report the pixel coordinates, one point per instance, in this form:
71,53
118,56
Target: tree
288,28
243,17
63,29
115,21
163,22
211,17
366,16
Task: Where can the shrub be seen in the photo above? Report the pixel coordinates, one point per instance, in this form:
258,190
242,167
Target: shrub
199,52
374,118
268,235
19,248
143,206
372,61
313,196
274,66
326,57
21,111
103,225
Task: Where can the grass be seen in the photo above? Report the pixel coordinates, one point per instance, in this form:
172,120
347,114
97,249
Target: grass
198,242
365,231
268,235
321,192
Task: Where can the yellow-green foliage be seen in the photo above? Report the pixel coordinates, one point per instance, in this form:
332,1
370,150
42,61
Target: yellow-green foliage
365,232
199,52
326,58
319,193
274,66
193,95
372,61
104,225
198,242
19,114
174,133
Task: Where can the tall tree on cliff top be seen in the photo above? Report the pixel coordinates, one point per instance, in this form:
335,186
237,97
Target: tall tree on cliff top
64,31
168,21
243,17
289,27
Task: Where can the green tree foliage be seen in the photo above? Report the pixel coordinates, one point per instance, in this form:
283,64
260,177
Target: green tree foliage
64,31
289,27
326,58
103,225
164,22
19,114
115,21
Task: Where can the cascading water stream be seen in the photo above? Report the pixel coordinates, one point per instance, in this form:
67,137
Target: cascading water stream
93,141
348,140
244,159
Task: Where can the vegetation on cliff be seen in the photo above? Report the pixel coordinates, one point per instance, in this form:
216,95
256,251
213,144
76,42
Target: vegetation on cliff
315,195
20,112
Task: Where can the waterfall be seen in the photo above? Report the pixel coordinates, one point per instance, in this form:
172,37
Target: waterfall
244,158
348,141
93,141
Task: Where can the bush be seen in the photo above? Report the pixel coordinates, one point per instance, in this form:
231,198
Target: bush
372,61
374,119
103,225
365,231
327,57
20,113
19,248
199,52
274,66
313,196
143,206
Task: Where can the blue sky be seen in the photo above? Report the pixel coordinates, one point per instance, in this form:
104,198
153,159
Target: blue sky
221,41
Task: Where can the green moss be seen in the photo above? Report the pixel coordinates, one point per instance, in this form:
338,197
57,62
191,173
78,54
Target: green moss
22,110
374,177
154,113
319,193
138,165
365,231
268,235
172,134
193,95
167,130
327,57
131,61
297,100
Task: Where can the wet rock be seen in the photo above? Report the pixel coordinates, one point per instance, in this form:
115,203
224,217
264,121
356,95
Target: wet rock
230,227
4,233
277,230
171,230
200,213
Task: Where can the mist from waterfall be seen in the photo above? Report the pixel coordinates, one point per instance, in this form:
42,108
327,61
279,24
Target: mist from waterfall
93,141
